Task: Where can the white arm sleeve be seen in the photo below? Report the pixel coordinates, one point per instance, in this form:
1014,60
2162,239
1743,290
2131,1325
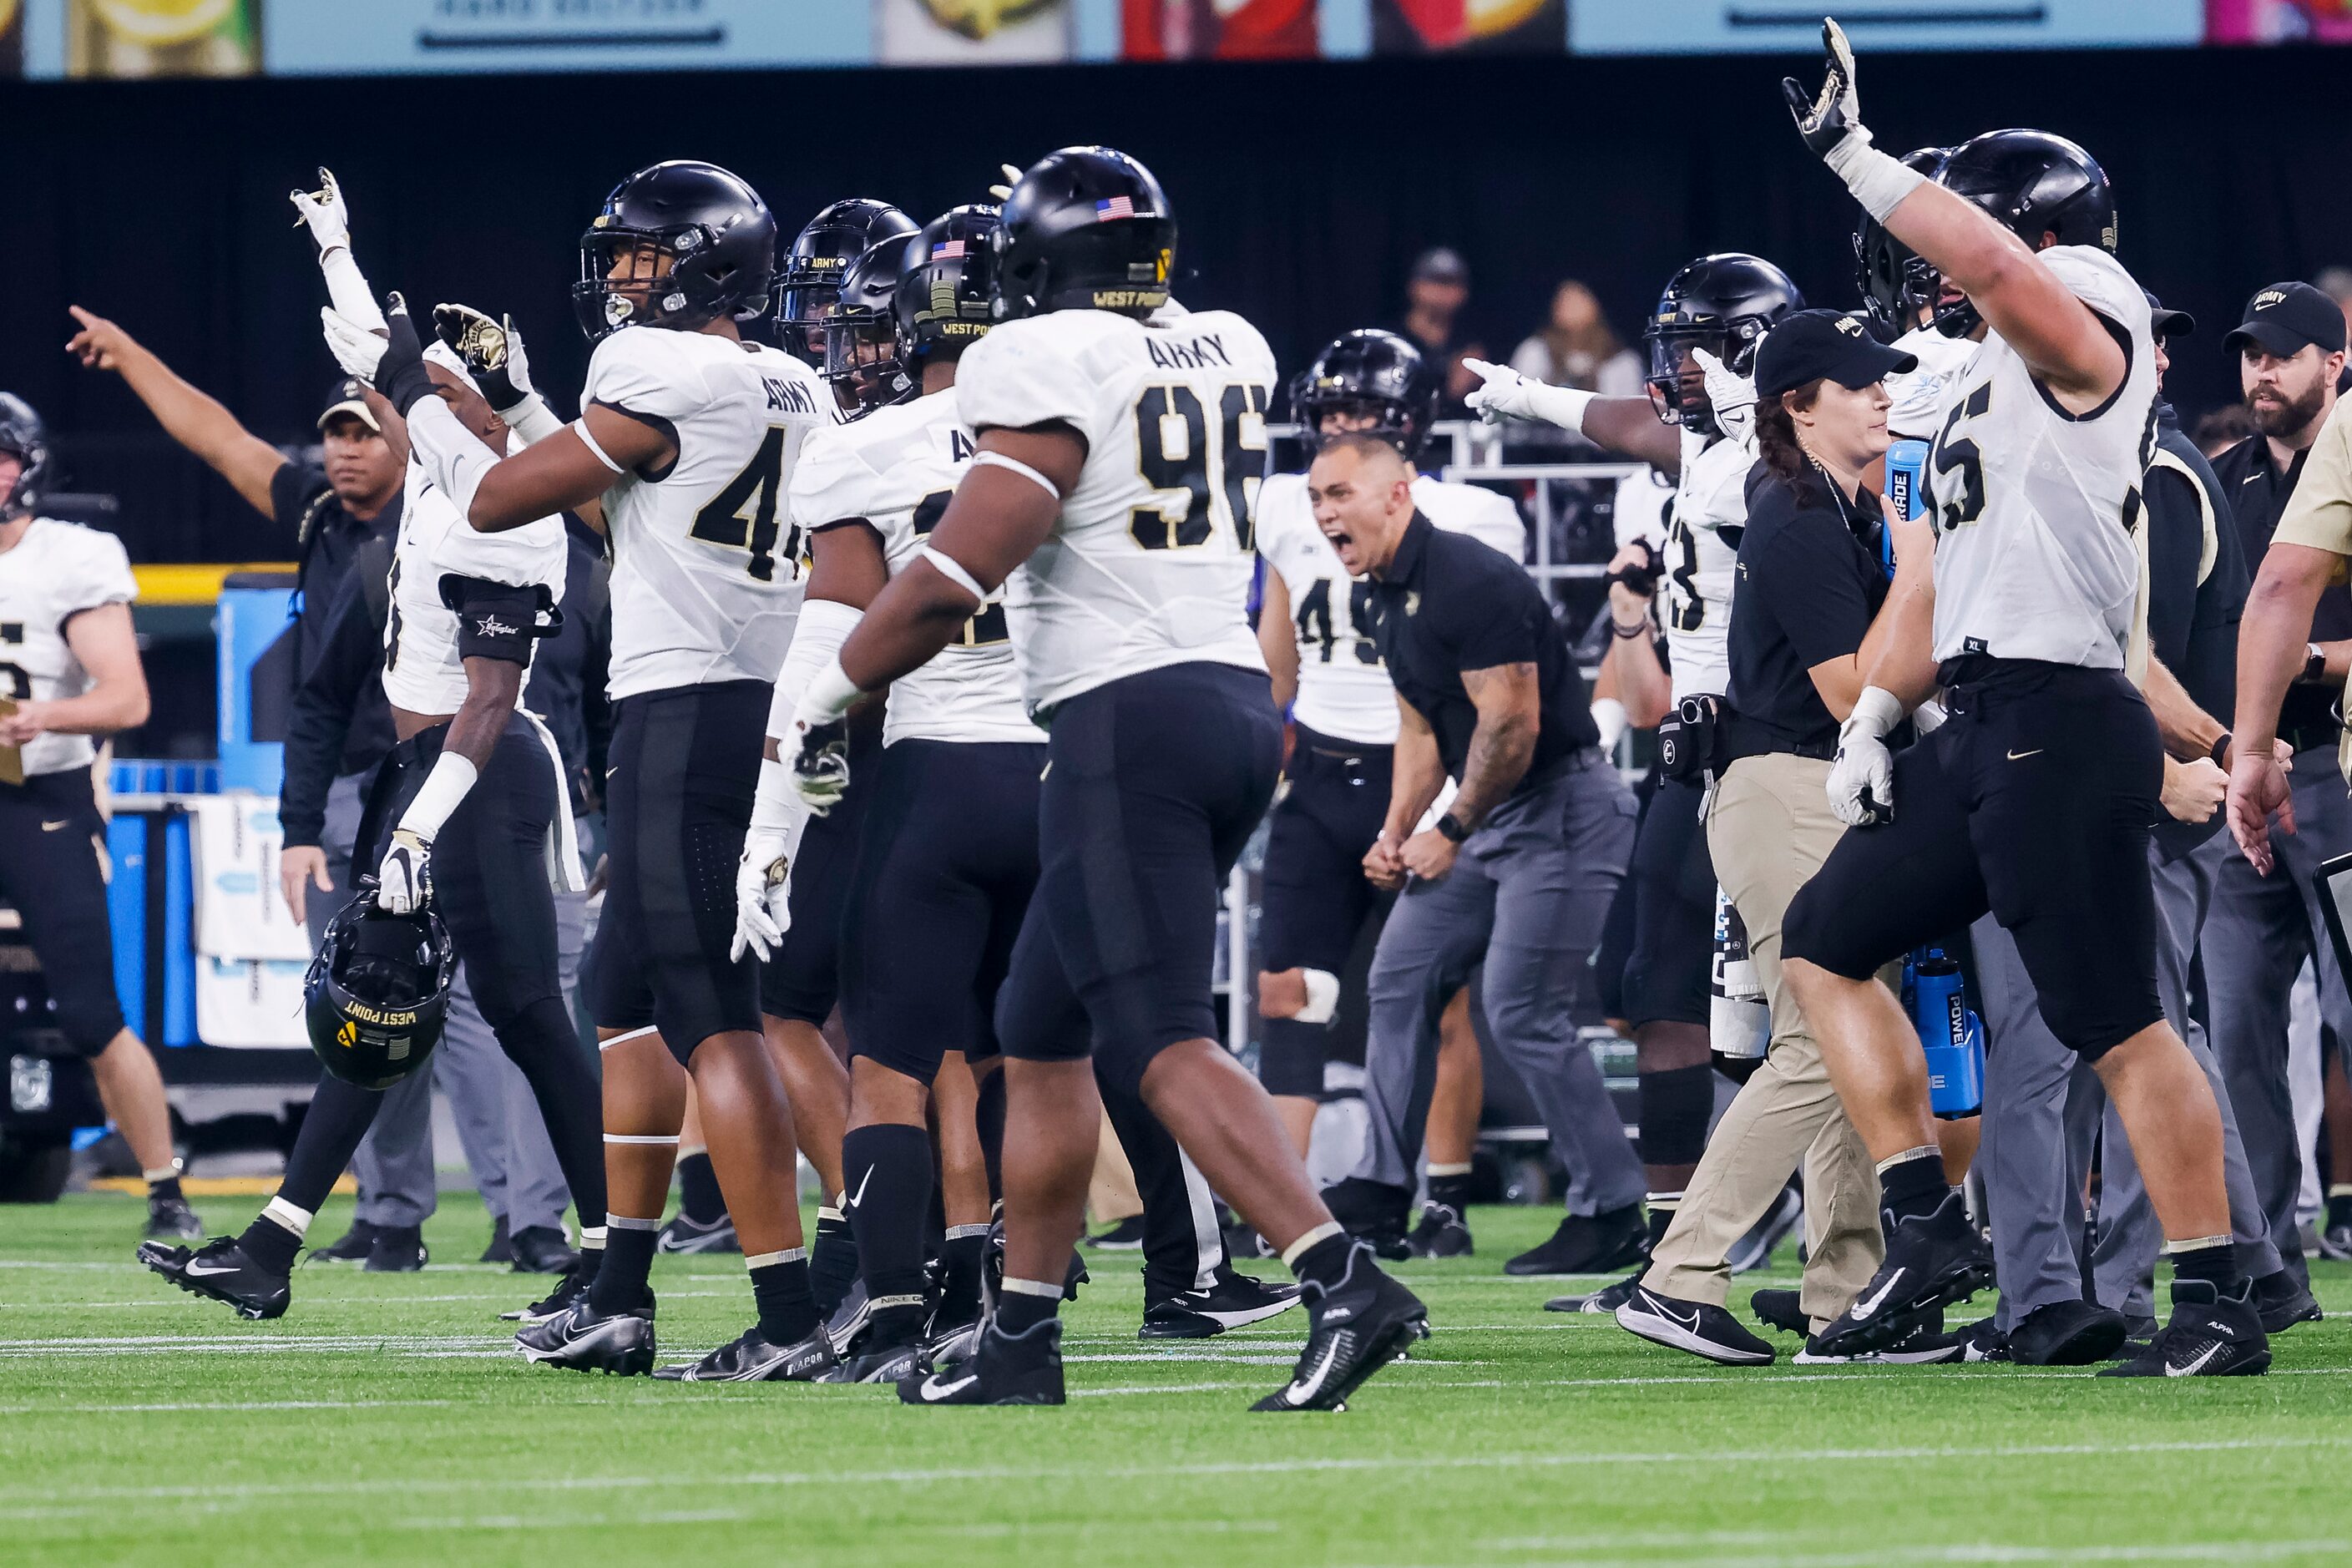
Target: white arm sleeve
347,287
825,624
451,455
532,420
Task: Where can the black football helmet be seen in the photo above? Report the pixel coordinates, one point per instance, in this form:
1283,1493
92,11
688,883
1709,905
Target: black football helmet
861,360
1723,304
1895,284
946,294
378,990
1085,229
26,438
2033,184
698,243
1374,374
808,280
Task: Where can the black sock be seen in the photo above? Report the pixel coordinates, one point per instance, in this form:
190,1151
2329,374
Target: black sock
1018,1311
1326,1263
963,1252
2215,1263
1674,1106
627,1263
164,1189
2339,1205
1451,1191
988,1120
698,1190
1662,1215
780,1284
1913,1187
832,1260
887,1167
270,1245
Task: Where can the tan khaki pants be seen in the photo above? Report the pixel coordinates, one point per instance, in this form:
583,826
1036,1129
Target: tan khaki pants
1768,828
1111,1195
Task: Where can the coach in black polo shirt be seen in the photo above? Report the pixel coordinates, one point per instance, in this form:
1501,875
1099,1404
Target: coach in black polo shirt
1517,872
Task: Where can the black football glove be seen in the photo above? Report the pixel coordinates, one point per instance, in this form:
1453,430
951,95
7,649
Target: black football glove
400,373
821,762
493,350
1827,118
1640,577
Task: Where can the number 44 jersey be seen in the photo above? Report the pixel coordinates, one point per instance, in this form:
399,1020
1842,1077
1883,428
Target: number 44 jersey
893,471
706,585
1149,564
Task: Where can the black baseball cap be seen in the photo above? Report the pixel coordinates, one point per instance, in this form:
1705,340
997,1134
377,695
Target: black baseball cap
1812,345
349,395
2164,324
1441,264
2284,317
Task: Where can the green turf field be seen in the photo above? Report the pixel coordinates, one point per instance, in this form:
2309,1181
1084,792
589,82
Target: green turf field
384,1418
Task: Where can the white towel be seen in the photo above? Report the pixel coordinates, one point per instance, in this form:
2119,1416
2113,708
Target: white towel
563,871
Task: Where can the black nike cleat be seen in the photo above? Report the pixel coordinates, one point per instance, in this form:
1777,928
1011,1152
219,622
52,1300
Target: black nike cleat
1001,1370
2065,1333
1782,1310
1442,1233
1970,1343
580,1339
569,1293
1700,1328
171,1220
2211,1335
2284,1301
752,1357
501,1246
1606,1299
540,1249
1922,1343
1356,1327
951,1339
887,1363
352,1246
851,1318
220,1270
1932,1260
1589,1244
1372,1212
397,1250
1127,1236
1235,1299
684,1235
1754,1251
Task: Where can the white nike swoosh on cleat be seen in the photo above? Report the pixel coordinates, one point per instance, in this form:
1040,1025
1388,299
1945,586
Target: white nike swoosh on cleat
934,1390
1301,1390
2203,1360
1869,1304
205,1271
2021,756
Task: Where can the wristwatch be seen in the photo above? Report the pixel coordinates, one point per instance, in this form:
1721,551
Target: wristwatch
2315,663
1451,831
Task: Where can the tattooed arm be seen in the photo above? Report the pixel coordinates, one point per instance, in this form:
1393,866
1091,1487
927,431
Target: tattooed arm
1508,698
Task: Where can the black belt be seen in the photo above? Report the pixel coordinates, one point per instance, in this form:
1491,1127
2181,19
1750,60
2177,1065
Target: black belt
1332,746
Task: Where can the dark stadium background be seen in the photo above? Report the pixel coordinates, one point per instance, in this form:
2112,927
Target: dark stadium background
1303,191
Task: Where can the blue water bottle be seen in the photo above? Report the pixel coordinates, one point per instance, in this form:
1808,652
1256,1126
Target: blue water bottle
1950,1033
1907,477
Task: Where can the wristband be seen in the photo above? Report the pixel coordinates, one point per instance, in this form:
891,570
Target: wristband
445,786
2221,752
1563,405
1875,713
1450,829
1877,181
2315,664
1636,629
828,696
532,419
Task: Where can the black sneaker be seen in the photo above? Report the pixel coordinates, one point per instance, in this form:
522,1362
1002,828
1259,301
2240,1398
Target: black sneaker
1000,1370
850,1319
752,1357
684,1235
1782,1310
1442,1233
884,1363
171,1219
1754,1251
501,1246
1595,1244
2284,1301
1607,1300
2066,1333
1932,1260
581,1340
1699,1327
1356,1329
1243,1241
1235,1299
1372,1212
570,1293
398,1249
352,1246
220,1270
2211,1335
1980,1341
1126,1235
541,1249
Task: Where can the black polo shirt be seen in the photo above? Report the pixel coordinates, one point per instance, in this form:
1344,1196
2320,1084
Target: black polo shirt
2193,621
328,541
1447,604
2257,490
1809,581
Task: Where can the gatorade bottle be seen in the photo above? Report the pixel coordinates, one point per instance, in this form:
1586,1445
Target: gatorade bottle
1952,1035
1906,476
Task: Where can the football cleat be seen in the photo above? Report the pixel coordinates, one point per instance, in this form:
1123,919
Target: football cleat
1356,1328
1922,1342
579,1339
2335,1241
1782,1310
951,1341
2211,1335
1972,1343
851,1318
352,1246
889,1363
684,1235
540,1249
220,1270
752,1357
1442,1233
1372,1212
1754,1251
397,1250
1606,1299
1700,1328
570,1293
2064,1334
1235,1299
1001,1370
2284,1301
1932,1260
501,1246
1589,1244
1127,1236
171,1219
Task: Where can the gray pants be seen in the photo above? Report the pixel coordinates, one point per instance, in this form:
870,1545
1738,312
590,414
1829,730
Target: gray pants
1527,895
2046,1109
2256,938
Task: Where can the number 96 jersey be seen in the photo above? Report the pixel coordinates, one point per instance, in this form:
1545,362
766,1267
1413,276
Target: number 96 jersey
706,586
894,470
1149,564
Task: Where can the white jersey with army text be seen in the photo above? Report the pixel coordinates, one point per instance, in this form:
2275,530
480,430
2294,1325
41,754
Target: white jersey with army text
2034,507
1343,688
706,580
896,467
1701,554
423,671
57,571
1148,563
1919,397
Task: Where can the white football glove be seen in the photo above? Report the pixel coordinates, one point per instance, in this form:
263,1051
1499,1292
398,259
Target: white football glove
359,348
405,880
763,889
1731,395
1862,780
1504,395
323,213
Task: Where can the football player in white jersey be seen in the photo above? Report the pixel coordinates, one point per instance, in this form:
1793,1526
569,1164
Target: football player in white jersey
69,670
685,443
1696,424
1328,679
1899,294
1113,486
2035,799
